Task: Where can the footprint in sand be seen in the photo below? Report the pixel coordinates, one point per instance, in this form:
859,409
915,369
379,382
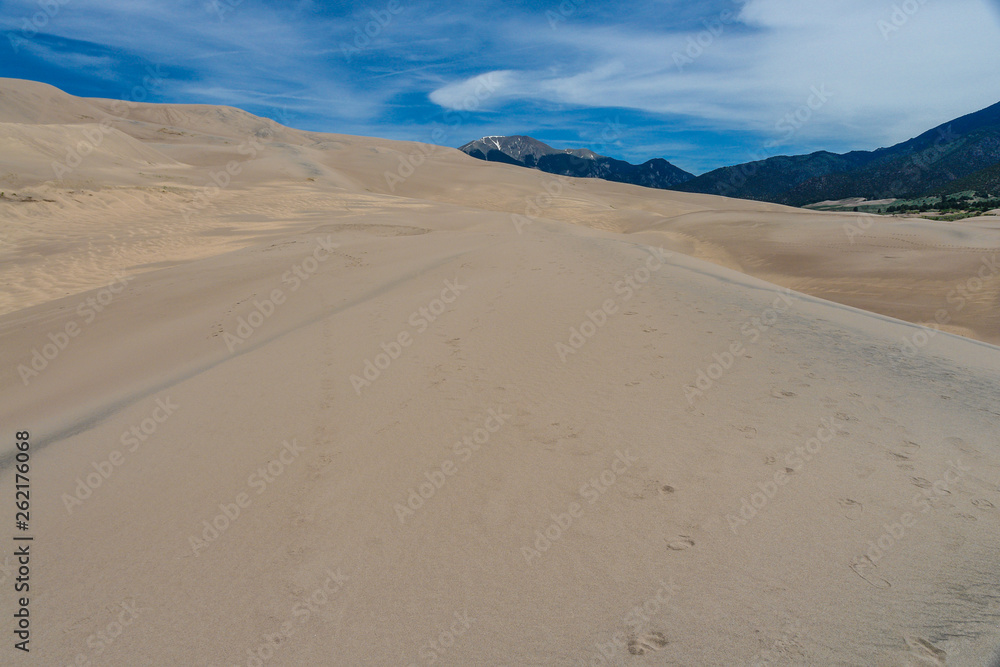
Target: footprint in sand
641,489
852,508
681,544
650,641
781,393
961,445
864,568
983,504
923,648
924,483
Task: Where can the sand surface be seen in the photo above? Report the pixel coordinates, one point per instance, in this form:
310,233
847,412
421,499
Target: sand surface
377,402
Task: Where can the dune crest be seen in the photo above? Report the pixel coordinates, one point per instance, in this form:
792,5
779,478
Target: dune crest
307,398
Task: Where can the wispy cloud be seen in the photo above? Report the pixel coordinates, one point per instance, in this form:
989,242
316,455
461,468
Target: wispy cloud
357,67
885,84
102,66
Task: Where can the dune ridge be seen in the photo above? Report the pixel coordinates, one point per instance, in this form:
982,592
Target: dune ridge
342,400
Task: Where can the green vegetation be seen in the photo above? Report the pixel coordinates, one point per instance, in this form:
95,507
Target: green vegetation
951,207
963,204
953,217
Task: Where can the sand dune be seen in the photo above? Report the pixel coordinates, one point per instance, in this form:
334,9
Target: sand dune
319,399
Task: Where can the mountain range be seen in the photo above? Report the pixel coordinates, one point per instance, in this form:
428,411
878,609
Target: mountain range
581,162
961,155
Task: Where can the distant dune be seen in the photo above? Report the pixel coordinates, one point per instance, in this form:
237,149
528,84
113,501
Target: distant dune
312,399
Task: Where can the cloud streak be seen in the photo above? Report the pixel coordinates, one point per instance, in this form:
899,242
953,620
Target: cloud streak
744,66
884,88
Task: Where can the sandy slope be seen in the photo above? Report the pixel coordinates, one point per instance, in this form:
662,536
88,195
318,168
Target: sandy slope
656,449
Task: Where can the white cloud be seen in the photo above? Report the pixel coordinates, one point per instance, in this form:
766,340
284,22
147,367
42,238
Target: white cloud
475,92
887,84
101,66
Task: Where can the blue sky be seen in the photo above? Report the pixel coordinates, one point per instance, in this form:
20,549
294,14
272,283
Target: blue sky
702,84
